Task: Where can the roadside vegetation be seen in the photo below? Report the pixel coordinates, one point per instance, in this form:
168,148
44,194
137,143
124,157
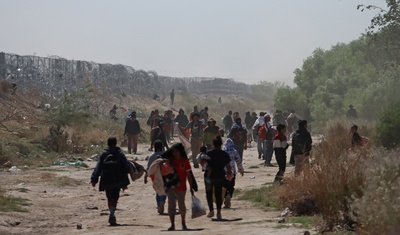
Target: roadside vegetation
13,204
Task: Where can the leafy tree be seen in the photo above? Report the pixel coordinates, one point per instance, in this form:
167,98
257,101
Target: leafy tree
388,126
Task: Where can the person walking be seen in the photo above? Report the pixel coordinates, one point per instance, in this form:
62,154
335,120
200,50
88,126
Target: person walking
301,146
172,96
158,151
132,131
181,118
229,148
238,134
228,122
256,128
157,133
280,146
177,160
113,169
196,136
351,113
219,160
269,134
279,118
249,126
291,121
210,132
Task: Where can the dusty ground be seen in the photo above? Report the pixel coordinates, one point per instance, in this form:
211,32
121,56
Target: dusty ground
58,209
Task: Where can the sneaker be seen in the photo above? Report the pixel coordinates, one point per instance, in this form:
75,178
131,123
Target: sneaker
219,216
112,220
228,201
211,214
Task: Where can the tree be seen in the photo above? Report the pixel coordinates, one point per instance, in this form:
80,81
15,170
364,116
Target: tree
388,126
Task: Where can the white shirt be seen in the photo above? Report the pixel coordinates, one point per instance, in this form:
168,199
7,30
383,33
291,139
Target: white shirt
259,122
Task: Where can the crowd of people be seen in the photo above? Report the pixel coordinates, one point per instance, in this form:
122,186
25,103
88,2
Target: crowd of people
169,167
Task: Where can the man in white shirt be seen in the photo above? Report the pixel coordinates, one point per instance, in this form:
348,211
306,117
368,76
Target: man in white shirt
260,143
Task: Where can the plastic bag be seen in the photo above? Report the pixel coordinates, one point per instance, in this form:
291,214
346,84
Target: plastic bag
197,208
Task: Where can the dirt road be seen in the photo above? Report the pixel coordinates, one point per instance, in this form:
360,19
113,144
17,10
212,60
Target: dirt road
61,198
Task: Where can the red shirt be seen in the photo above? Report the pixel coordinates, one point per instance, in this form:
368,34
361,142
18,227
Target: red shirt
182,166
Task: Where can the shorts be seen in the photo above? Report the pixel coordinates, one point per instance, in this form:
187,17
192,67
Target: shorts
173,196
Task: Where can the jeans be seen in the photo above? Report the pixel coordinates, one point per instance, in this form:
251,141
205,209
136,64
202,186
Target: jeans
268,152
159,199
261,145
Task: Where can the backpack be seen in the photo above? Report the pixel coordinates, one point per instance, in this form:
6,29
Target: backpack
262,133
113,173
298,143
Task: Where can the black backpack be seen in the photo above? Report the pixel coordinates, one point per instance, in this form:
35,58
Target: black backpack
113,172
299,143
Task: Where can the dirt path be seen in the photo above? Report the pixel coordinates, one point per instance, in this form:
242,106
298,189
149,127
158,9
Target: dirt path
58,209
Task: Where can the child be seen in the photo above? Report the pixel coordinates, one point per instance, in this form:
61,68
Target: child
202,159
280,145
158,151
356,139
229,148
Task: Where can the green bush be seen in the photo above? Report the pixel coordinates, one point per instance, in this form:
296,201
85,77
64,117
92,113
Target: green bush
388,126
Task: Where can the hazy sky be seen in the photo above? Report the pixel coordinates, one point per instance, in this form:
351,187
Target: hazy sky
248,40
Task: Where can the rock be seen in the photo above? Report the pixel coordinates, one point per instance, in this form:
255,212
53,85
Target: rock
307,233
92,208
12,222
79,226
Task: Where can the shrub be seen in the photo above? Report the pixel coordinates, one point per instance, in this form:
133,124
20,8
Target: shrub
378,211
329,183
388,126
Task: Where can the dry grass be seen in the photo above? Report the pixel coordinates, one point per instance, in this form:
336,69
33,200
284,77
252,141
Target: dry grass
330,182
378,210
49,178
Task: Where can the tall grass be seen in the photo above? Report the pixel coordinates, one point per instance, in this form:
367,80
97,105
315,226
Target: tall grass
330,183
378,210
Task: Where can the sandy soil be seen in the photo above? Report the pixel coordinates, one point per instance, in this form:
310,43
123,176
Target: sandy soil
58,210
